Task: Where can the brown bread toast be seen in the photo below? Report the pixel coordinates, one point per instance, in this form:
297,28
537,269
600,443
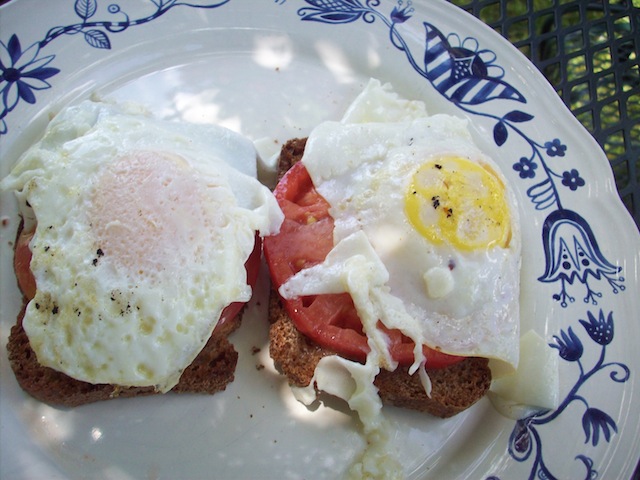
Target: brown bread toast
210,372
454,388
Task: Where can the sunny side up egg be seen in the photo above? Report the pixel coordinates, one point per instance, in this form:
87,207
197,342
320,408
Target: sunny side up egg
143,229
427,234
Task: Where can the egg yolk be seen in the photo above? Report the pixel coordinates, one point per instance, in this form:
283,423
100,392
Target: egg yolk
144,211
460,202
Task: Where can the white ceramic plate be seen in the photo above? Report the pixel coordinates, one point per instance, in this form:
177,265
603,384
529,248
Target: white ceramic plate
273,70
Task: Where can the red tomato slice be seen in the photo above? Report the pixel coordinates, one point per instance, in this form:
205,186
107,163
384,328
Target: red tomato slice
21,263
305,239
27,282
252,265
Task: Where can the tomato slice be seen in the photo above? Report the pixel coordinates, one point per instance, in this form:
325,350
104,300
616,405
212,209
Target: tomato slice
252,266
27,282
22,262
304,240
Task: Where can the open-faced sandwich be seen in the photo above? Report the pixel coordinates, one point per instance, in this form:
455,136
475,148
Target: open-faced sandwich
397,266
139,243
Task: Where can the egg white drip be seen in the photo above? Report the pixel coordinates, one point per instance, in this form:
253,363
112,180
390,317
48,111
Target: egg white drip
104,317
353,382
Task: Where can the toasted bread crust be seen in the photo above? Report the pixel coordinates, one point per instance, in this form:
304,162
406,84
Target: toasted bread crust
211,371
293,354
454,388
290,153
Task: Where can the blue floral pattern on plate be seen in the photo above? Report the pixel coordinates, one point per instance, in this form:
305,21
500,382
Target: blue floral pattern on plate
24,72
469,77
525,441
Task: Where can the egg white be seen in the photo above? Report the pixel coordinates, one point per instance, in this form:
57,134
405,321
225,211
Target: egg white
143,229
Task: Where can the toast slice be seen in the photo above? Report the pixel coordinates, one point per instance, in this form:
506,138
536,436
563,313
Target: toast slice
211,371
454,388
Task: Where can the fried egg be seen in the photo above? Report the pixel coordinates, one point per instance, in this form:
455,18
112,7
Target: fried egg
441,223
143,229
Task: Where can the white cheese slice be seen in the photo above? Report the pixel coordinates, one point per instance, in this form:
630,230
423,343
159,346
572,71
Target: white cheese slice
534,386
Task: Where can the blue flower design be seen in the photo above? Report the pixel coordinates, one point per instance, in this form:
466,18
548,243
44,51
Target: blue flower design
332,11
595,421
572,253
569,346
526,167
572,179
555,148
599,329
468,77
471,60
401,15
462,72
22,73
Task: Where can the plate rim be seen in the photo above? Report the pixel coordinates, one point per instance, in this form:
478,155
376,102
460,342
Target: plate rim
619,207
